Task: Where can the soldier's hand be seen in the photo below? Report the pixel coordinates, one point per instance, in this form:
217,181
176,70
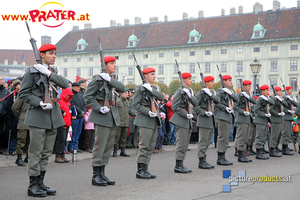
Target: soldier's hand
46,106
189,116
105,76
147,86
229,110
227,91
246,113
281,114
264,97
187,92
291,111
207,91
289,97
208,113
152,114
104,109
278,98
42,69
268,115
245,95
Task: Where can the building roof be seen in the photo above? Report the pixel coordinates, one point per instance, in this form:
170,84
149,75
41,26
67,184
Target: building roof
12,55
282,24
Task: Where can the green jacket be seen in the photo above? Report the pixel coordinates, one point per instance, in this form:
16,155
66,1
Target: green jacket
32,94
288,116
240,107
142,106
297,112
220,109
132,114
178,106
203,121
123,108
260,110
93,94
276,109
19,108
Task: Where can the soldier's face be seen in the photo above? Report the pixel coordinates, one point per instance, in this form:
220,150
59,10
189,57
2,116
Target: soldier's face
265,92
210,84
150,77
228,83
188,81
279,92
247,88
125,94
290,91
111,67
83,84
49,57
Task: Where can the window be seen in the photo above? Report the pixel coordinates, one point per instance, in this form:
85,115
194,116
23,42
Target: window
130,70
176,68
176,54
130,56
274,66
91,58
294,47
160,69
145,66
160,82
78,47
238,83
239,50
223,51
117,57
130,82
78,59
78,71
145,56
192,39
117,70
257,34
274,48
192,53
239,65
207,52
256,49
207,67
90,71
293,83
294,64
223,67
65,59
192,68
161,55
65,72
273,81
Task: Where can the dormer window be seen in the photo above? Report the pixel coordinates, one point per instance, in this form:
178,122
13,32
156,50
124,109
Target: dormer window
258,31
132,40
194,36
81,44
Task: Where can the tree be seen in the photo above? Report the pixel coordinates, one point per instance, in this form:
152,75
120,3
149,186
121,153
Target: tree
196,87
219,84
164,88
174,85
130,85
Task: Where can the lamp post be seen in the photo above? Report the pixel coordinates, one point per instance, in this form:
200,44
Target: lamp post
255,68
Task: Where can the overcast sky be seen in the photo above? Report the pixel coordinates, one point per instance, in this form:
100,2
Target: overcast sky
14,34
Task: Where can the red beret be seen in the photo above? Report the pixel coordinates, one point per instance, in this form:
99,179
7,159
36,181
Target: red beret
247,82
208,78
288,87
277,88
47,47
225,77
108,59
255,97
186,75
264,87
88,107
148,70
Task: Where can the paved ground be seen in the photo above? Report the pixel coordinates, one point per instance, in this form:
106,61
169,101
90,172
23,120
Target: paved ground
73,181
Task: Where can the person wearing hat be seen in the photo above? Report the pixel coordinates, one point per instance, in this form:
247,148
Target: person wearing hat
182,120
277,114
83,85
206,98
243,120
43,118
105,119
121,132
262,117
132,139
147,121
288,119
224,116
251,137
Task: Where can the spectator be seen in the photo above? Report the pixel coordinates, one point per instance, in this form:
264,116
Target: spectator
160,136
3,93
83,85
89,131
172,129
166,99
132,139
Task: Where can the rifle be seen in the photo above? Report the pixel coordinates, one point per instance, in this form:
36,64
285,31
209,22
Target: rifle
242,89
103,70
148,96
209,107
43,78
223,86
281,106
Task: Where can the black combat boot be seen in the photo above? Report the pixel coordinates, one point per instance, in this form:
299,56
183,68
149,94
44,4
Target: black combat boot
26,158
141,173
179,167
259,155
203,164
277,149
211,166
286,151
19,161
230,163
102,175
123,153
147,172
236,153
34,188
242,157
264,151
221,160
299,150
44,187
273,153
251,150
115,153
97,179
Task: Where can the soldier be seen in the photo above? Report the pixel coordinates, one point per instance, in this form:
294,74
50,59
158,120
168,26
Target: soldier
224,115
182,120
205,120
147,121
261,120
251,137
106,119
288,121
243,120
42,118
83,86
